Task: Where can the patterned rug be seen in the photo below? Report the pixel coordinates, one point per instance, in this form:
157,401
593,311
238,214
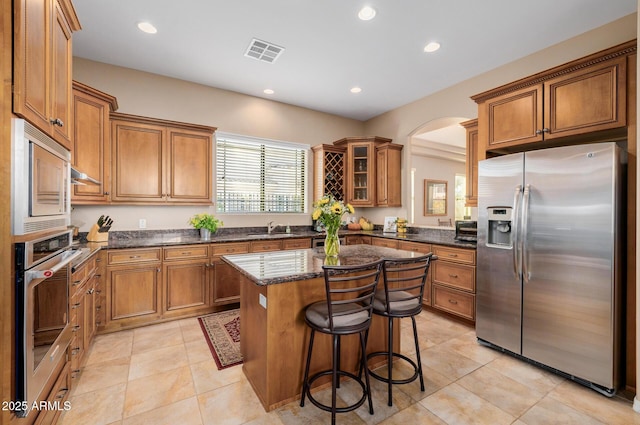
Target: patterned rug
222,332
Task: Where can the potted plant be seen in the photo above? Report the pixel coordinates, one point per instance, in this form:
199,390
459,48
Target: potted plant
207,224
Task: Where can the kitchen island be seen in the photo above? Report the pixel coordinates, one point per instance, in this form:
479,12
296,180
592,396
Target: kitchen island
275,288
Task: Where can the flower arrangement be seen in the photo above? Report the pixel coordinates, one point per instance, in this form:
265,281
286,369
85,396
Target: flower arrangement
329,212
205,221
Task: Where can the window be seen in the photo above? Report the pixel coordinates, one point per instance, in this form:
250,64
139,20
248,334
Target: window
257,175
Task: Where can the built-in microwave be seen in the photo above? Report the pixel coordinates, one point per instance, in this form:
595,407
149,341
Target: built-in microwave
40,187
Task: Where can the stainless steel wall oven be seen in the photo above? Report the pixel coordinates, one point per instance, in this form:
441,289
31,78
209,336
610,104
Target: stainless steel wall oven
42,273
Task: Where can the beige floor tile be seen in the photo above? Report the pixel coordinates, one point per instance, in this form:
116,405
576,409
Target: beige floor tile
230,405
532,376
447,362
156,361
158,390
154,337
467,345
552,411
110,347
352,392
192,332
612,411
293,414
207,377
501,391
183,412
101,375
198,351
99,407
457,406
415,414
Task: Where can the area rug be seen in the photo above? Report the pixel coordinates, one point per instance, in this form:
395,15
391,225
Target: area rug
222,332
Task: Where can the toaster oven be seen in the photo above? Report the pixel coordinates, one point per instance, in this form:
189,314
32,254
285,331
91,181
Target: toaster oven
466,231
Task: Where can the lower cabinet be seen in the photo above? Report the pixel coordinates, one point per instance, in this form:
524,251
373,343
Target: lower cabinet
82,314
57,397
186,283
421,248
454,281
387,243
358,240
226,289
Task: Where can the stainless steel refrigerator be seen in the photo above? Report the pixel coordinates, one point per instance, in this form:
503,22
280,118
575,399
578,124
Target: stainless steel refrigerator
549,259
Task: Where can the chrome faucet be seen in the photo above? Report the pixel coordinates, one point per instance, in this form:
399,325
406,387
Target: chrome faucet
271,226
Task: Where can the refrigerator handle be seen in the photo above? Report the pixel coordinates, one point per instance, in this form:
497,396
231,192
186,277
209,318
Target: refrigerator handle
526,274
517,267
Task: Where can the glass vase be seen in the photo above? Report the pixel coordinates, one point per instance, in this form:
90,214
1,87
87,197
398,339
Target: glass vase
332,243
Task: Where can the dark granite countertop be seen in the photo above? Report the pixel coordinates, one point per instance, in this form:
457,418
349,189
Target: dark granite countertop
268,268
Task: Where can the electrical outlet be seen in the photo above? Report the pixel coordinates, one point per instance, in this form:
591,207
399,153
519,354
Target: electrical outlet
262,300
142,223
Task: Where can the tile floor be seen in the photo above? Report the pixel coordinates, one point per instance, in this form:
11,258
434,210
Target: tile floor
165,374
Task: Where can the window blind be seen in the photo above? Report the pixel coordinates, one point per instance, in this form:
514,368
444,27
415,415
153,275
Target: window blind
257,176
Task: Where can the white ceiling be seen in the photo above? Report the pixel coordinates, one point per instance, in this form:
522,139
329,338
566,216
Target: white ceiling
328,49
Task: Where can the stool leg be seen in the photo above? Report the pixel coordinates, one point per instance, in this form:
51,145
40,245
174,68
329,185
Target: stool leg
363,345
305,381
415,337
362,364
390,361
334,377
338,361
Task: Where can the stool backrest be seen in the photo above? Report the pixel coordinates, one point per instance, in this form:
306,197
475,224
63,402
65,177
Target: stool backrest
354,286
405,279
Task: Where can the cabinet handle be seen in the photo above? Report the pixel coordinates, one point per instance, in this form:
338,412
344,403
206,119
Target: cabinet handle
186,253
545,130
76,305
98,260
75,351
133,257
98,291
453,255
538,132
106,193
56,121
90,291
75,283
453,301
76,328
455,276
98,308
158,270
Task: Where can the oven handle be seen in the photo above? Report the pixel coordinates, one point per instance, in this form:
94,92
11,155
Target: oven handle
66,258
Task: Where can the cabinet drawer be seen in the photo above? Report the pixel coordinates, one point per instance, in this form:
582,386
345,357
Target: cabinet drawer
387,243
186,252
457,275
358,240
423,248
126,256
302,243
78,277
466,256
453,301
260,246
230,248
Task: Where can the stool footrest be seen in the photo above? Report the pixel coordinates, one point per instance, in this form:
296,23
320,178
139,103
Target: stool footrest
397,355
338,409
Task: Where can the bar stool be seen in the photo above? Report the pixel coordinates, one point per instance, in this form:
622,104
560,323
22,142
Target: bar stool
346,310
404,282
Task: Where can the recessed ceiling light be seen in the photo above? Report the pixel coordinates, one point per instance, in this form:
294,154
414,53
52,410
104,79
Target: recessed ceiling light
147,27
367,13
356,90
268,91
432,47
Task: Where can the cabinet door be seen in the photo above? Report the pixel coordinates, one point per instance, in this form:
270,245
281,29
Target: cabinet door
189,167
138,162
589,100
61,93
134,294
186,287
387,243
388,178
515,118
91,151
471,197
226,288
329,171
31,67
361,174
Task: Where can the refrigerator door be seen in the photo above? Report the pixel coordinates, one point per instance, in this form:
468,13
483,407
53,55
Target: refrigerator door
498,284
569,230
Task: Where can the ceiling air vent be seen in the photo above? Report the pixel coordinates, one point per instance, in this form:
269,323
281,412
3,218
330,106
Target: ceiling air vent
263,51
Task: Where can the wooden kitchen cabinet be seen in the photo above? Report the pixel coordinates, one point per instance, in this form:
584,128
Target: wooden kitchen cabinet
358,240
226,289
373,163
422,248
329,170
387,243
454,281
158,162
91,153
581,97
471,163
134,287
296,243
42,65
82,313
186,281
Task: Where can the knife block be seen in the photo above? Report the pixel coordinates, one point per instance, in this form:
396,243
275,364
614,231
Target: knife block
95,236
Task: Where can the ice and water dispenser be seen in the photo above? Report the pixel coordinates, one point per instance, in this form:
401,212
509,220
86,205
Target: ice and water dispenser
499,232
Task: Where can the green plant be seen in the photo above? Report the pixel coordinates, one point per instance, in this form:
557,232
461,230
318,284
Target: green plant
205,221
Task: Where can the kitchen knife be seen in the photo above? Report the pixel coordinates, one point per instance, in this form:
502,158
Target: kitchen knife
101,220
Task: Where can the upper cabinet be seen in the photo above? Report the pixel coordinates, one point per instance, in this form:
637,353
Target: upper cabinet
583,96
42,65
471,197
329,163
158,162
91,151
373,171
